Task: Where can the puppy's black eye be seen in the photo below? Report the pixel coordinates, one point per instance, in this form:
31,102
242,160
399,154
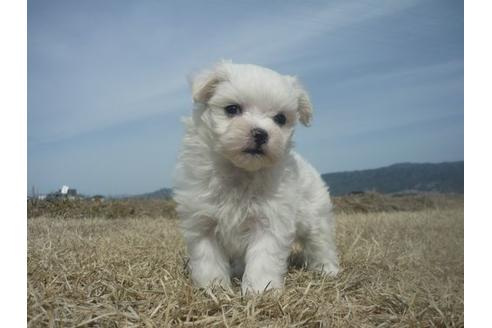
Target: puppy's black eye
233,110
280,119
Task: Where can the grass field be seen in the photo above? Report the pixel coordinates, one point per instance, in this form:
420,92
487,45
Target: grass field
400,269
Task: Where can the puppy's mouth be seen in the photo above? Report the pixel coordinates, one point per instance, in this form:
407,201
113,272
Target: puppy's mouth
254,151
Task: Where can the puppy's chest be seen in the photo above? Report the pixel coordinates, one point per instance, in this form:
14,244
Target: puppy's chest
242,205
237,199
240,209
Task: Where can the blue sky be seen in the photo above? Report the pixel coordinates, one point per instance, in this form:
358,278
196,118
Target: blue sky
107,82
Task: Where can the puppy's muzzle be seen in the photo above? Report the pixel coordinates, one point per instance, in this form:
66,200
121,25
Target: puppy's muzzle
260,136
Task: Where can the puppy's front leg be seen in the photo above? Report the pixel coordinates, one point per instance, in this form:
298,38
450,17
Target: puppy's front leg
266,262
208,262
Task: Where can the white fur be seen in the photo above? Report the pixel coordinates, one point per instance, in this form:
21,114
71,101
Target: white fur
241,212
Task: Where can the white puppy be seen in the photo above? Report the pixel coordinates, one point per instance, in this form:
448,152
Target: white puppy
244,196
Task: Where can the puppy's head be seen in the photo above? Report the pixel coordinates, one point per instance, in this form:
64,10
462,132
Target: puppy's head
250,111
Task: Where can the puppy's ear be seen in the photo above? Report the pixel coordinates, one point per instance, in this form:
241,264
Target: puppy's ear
304,106
204,83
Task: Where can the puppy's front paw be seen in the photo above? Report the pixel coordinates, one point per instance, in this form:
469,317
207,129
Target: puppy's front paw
205,275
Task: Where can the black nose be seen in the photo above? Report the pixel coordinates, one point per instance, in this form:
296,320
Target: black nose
260,136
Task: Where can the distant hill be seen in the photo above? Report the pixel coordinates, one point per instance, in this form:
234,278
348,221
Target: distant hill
161,193
445,177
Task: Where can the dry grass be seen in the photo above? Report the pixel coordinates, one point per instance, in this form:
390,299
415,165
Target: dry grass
400,269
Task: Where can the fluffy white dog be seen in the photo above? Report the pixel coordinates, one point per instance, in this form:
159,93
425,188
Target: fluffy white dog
244,196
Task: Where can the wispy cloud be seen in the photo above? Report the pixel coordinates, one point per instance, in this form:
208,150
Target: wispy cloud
97,95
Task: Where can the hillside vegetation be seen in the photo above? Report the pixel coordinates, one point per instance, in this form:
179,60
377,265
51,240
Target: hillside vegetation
442,177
